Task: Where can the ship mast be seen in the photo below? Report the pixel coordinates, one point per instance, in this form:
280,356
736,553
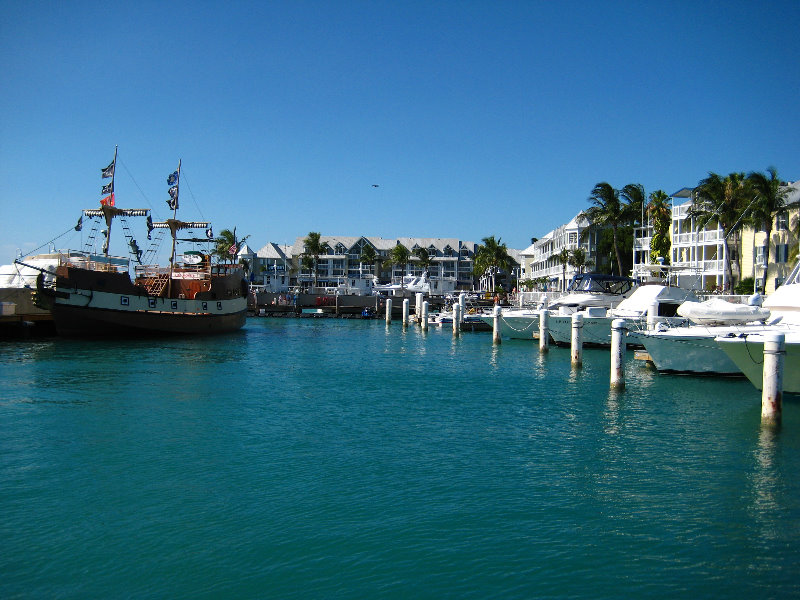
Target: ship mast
173,202
109,200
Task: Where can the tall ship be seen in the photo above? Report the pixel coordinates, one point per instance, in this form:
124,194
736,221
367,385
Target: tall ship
93,294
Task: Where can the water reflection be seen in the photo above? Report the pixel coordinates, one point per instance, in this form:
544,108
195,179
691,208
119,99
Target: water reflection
493,356
611,414
765,477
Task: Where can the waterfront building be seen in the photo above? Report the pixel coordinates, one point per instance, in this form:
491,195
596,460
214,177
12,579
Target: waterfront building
541,258
784,237
695,253
700,253
270,266
280,267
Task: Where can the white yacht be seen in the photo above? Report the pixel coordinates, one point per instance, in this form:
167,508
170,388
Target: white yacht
585,291
411,284
692,349
747,353
633,310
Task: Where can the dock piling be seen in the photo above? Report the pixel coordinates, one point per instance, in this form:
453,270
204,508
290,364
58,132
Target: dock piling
772,388
406,303
425,316
388,311
456,319
544,334
496,325
618,354
577,340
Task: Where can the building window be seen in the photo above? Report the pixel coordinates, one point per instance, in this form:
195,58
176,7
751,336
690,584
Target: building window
761,252
781,253
778,282
782,222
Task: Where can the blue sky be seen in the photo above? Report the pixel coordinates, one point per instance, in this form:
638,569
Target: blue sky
473,118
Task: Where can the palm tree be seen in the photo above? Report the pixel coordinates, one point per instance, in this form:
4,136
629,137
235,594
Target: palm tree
608,211
721,200
399,256
306,262
563,259
578,259
226,245
492,256
634,195
659,210
424,258
368,255
769,201
313,248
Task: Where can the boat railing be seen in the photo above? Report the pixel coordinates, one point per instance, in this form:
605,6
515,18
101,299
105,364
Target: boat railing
535,299
95,262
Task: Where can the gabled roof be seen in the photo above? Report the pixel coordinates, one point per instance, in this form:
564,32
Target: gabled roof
272,250
685,192
387,244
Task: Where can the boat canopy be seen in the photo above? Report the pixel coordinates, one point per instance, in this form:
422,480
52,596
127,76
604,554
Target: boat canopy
601,283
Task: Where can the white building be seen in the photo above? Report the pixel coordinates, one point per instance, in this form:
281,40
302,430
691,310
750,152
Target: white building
541,258
280,268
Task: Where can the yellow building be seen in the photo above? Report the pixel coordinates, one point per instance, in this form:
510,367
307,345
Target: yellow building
783,240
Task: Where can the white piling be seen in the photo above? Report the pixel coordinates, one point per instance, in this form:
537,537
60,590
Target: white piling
456,320
425,316
418,306
772,389
406,303
462,306
544,333
388,311
652,314
577,339
496,325
618,353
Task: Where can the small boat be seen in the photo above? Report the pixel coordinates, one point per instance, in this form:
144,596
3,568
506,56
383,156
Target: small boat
717,311
93,294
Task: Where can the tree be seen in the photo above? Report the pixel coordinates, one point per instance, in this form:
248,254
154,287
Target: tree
769,200
306,262
659,210
368,255
634,195
608,210
424,258
721,200
313,248
399,256
578,259
491,257
226,245
563,260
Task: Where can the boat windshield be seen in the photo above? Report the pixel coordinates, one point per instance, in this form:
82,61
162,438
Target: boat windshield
597,283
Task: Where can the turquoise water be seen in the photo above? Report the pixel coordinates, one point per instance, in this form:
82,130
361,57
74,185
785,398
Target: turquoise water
305,458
